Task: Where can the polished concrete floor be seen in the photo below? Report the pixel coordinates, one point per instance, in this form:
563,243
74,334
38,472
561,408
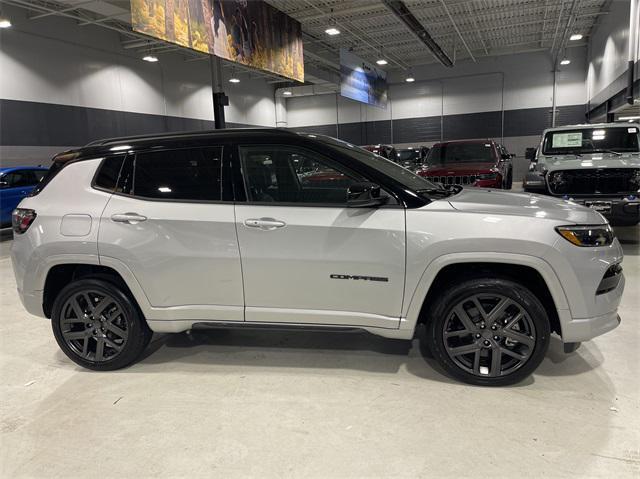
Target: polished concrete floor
304,404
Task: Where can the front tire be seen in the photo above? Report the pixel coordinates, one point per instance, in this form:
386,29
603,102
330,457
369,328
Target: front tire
488,331
98,326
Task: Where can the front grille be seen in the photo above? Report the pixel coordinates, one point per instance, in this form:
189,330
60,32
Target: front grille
609,181
454,180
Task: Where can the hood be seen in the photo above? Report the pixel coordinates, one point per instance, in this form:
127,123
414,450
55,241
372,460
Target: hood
459,168
591,160
493,202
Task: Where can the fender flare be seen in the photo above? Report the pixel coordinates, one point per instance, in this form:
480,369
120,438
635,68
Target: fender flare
437,264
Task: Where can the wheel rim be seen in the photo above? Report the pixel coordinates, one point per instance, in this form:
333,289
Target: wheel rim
489,335
93,325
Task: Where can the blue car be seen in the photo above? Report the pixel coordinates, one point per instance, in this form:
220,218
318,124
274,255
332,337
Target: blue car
15,183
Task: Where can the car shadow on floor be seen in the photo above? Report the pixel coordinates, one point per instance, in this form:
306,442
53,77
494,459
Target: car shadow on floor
358,351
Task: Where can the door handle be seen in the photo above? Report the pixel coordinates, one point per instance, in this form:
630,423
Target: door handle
130,218
264,223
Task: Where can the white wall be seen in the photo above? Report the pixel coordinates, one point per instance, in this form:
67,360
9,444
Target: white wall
609,50
52,60
467,88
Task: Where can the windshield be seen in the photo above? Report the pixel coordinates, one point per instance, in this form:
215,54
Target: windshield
408,155
460,153
590,140
389,168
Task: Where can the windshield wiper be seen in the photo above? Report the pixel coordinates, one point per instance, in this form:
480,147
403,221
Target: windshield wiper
617,153
445,191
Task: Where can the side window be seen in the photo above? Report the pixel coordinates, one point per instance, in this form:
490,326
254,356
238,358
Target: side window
39,174
292,175
108,174
185,174
20,178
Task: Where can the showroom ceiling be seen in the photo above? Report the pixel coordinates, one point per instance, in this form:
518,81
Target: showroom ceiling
465,29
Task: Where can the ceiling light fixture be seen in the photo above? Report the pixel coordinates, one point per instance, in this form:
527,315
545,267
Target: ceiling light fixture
234,79
5,22
575,36
565,61
409,78
630,118
150,58
287,93
382,61
332,28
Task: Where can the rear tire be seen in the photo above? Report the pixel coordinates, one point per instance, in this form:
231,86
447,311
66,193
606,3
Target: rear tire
98,326
488,331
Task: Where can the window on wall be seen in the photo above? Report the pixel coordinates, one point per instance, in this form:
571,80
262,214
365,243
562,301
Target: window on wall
188,174
292,175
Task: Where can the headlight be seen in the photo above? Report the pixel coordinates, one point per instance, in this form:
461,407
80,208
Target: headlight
589,235
557,178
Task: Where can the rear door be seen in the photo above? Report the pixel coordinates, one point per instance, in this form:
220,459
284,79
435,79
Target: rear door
169,224
306,256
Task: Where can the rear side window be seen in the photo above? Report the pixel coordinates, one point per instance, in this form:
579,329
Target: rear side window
187,174
107,176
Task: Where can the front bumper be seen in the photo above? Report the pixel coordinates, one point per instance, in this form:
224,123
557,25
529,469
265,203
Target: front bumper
615,209
584,329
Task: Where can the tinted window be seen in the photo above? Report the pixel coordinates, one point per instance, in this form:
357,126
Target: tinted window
388,168
461,153
39,174
292,175
108,173
20,178
187,174
591,140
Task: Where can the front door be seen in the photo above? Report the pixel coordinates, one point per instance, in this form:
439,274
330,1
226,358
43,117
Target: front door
306,257
167,223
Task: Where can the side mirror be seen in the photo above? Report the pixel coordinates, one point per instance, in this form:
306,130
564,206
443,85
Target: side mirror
530,154
365,195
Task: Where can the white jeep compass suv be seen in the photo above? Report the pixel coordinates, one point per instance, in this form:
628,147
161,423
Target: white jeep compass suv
269,228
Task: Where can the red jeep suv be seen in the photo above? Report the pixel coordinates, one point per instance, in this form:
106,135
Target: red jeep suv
482,163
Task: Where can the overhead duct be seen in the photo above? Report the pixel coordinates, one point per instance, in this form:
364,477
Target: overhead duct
400,10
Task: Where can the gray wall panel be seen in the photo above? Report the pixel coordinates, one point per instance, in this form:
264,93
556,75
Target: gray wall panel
473,125
43,124
409,130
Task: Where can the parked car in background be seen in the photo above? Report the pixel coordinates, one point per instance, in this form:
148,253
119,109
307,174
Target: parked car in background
15,184
594,165
385,151
484,163
411,157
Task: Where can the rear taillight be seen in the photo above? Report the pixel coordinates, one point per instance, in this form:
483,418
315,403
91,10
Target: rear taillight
21,219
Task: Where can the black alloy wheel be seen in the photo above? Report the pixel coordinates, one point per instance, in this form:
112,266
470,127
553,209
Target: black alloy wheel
489,331
98,326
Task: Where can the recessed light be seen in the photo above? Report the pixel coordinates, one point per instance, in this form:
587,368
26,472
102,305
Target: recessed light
382,61
576,36
565,61
287,93
332,31
150,58
5,22
234,80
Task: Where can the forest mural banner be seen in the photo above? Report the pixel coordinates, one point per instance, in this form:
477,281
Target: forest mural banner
252,33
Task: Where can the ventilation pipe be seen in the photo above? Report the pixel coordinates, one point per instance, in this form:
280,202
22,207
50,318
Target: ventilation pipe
633,46
403,14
